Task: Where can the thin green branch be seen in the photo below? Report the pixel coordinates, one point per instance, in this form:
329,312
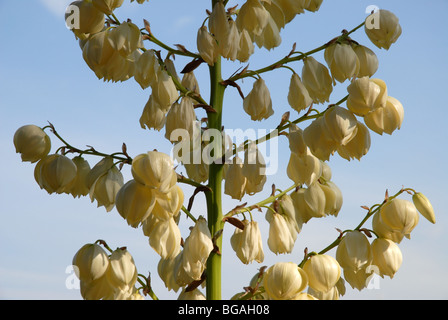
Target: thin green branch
120,156
373,210
260,204
289,58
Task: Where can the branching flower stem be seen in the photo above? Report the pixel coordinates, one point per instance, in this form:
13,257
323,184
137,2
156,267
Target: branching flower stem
290,58
373,210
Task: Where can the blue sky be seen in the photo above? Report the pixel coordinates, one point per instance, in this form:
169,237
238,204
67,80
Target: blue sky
44,78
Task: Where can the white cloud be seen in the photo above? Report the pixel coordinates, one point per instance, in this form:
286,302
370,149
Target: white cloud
56,7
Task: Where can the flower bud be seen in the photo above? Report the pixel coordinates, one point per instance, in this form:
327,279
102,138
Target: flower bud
91,262
364,95
254,169
122,272
207,46
246,47
368,61
32,143
107,6
323,272
235,182
146,69
342,61
164,90
358,146
125,38
180,116
386,256
79,186
284,280
383,28
424,206
354,251
198,246
153,115
400,215
252,17
90,20
134,202
298,96
55,173
106,187
387,119
258,103
317,80
304,169
247,243
155,170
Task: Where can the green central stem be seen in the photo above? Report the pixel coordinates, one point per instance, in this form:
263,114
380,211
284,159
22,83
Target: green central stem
214,201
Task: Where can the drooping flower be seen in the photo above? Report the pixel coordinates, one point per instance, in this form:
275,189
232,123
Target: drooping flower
107,6
91,262
247,243
368,61
298,96
252,17
400,215
317,80
104,190
343,61
386,256
284,280
122,272
55,173
32,143
207,46
323,272
89,19
383,28
258,103
155,170
134,201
